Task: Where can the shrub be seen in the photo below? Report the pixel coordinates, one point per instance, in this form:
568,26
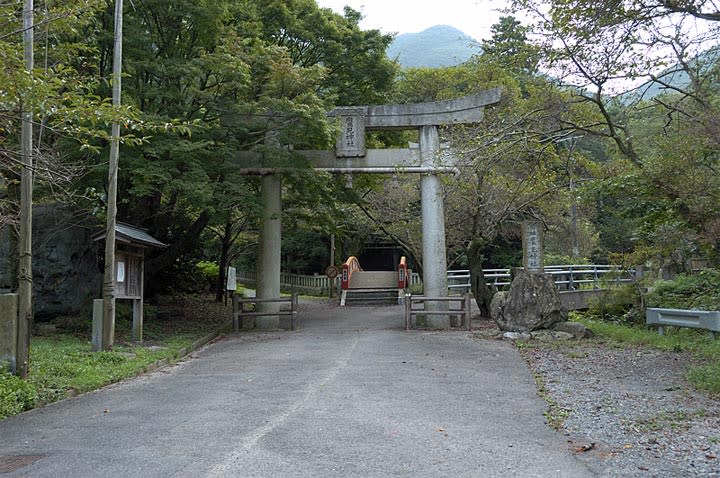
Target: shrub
209,272
550,259
698,291
16,395
617,303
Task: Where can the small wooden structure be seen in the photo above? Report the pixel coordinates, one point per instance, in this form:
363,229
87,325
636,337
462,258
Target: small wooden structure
130,245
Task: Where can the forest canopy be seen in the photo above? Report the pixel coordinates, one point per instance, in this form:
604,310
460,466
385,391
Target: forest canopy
620,176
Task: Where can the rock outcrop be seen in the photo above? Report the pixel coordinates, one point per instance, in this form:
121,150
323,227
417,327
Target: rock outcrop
67,272
532,303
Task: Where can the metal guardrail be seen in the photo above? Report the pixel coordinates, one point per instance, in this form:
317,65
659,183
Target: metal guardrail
464,311
566,277
696,319
239,309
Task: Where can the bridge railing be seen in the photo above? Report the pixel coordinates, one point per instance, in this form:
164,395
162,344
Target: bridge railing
350,266
403,274
566,277
309,284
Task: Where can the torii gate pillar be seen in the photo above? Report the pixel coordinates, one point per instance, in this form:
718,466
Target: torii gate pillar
269,250
433,228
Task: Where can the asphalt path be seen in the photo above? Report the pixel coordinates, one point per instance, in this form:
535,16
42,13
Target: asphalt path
350,394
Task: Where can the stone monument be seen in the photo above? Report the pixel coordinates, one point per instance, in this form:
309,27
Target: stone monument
533,301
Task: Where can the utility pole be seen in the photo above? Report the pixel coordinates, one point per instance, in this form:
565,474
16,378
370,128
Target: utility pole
25,279
108,328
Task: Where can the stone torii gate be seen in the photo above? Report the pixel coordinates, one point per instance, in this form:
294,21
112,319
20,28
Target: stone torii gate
351,156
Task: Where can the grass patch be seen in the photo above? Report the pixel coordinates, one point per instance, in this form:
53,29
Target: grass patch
677,420
696,342
706,377
63,364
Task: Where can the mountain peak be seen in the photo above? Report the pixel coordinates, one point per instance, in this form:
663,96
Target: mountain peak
437,46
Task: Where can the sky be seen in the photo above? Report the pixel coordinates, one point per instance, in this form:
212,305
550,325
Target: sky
472,17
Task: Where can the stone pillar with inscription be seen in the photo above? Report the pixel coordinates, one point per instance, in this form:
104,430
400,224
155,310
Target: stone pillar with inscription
533,301
8,331
532,238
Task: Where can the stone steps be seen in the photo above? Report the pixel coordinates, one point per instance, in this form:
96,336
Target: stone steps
370,297
374,280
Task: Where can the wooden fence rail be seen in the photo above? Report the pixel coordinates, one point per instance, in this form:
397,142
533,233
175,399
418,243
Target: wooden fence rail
465,310
239,310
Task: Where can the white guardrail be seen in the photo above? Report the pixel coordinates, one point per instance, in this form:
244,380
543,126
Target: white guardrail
567,277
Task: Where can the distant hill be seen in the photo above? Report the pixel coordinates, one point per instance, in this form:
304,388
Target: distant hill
438,46
673,77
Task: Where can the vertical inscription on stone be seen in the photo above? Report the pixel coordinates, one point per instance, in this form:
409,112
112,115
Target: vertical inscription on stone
349,133
351,140
532,246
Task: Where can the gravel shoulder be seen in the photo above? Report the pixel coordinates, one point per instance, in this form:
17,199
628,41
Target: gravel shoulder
628,412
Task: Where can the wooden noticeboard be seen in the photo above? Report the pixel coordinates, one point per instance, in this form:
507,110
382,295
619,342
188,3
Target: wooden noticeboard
130,245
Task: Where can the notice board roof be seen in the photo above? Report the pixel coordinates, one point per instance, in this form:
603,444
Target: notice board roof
125,233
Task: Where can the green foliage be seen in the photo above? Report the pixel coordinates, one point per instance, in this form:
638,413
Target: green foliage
697,291
208,270
305,252
16,395
560,259
64,363
617,304
655,193
509,46
706,377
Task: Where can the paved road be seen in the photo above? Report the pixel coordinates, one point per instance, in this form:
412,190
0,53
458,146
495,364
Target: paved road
349,395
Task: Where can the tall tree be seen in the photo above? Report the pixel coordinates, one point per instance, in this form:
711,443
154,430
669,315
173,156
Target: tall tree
227,67
669,123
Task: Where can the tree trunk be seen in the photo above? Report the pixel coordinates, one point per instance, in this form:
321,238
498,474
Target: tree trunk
479,288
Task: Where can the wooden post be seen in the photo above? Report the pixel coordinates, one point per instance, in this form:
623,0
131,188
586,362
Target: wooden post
468,311
236,314
408,311
25,312
293,311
